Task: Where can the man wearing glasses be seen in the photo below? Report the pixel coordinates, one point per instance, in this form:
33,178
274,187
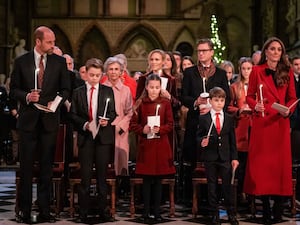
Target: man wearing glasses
198,80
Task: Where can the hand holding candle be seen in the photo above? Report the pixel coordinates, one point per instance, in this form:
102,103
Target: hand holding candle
261,97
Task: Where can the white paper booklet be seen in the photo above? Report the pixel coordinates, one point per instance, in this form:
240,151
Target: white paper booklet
53,106
164,83
94,128
153,121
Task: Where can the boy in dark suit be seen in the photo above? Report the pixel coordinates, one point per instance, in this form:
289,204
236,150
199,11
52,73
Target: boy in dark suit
218,145
93,108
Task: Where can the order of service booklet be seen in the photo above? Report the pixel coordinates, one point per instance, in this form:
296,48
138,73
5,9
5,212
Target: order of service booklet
282,108
53,106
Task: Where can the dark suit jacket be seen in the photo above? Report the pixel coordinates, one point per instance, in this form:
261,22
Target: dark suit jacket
192,87
221,146
79,114
55,82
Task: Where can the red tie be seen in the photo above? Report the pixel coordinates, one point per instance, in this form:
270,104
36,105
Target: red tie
91,103
218,124
41,72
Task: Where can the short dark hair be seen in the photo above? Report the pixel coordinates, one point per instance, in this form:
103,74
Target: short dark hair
206,41
217,92
94,62
152,76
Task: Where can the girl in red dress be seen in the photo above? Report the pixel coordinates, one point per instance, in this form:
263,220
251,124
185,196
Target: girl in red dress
154,157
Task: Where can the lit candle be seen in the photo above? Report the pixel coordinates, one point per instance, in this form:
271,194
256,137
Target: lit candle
246,89
36,73
261,97
105,109
204,88
157,108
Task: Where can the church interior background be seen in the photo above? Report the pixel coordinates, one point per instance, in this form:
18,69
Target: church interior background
101,28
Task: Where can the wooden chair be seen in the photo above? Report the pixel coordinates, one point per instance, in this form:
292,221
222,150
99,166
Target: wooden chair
199,178
74,180
58,173
134,180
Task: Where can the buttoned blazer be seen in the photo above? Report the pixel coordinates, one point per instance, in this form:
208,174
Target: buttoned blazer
221,146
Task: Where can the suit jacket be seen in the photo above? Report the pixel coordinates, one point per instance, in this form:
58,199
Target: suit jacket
192,87
80,115
221,146
55,82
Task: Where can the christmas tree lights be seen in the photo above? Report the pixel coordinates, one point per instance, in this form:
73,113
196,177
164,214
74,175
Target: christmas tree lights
218,47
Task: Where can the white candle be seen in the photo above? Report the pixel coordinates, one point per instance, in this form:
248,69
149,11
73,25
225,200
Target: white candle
261,97
105,109
204,88
36,73
157,108
246,89
210,128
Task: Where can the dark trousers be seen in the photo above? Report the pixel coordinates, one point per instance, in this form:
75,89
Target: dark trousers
213,171
92,152
45,143
152,188
277,207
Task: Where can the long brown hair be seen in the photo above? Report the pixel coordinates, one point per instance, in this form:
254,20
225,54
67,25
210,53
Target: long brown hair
151,76
282,71
241,79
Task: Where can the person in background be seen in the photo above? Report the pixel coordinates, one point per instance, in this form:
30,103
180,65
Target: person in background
113,69
137,75
156,60
256,57
187,62
196,80
219,154
269,165
229,68
38,129
151,167
295,122
243,116
82,73
92,112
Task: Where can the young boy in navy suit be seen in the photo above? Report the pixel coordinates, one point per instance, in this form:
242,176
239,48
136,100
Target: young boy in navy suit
93,106
218,146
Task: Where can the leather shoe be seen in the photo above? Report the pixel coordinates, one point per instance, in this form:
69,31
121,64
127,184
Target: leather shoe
106,218
46,218
267,221
22,217
82,218
215,220
233,220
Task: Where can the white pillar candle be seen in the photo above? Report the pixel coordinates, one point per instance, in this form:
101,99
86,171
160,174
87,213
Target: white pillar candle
261,97
105,109
36,73
204,88
157,108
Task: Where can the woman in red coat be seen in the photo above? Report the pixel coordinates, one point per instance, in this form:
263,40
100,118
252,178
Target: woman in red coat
152,122
269,167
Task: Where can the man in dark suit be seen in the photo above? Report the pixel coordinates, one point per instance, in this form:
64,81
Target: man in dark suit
93,106
38,129
204,72
217,137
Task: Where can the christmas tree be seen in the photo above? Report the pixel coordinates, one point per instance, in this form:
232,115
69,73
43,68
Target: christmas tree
218,47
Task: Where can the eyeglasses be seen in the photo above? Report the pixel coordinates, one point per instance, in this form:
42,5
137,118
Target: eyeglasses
203,50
